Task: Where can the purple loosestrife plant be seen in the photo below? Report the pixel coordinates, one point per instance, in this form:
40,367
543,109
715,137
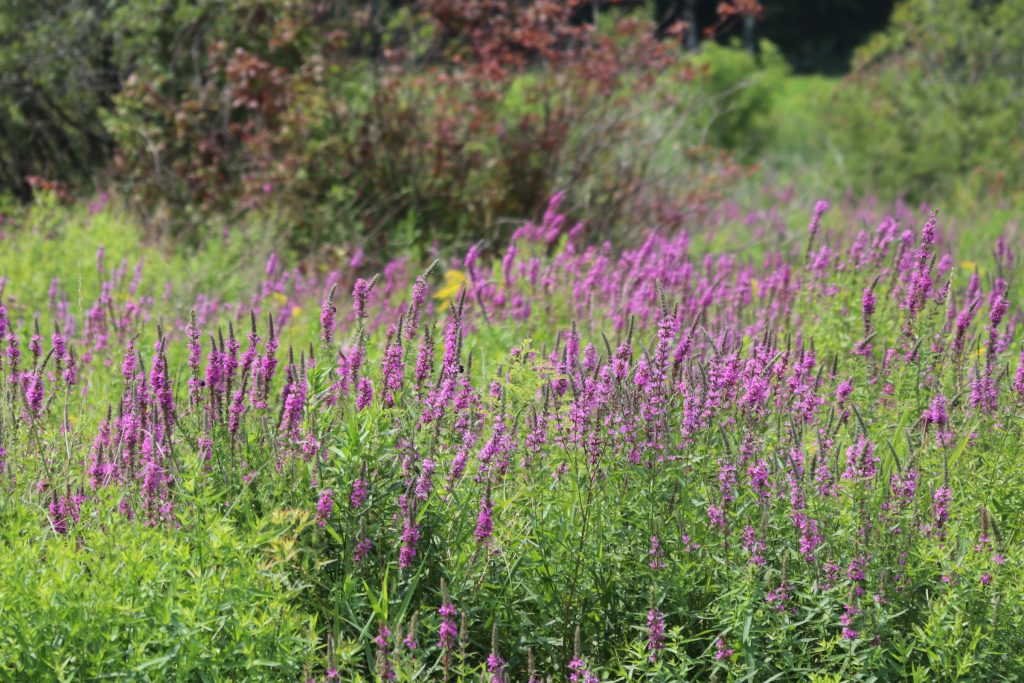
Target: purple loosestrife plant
364,393
385,668
324,507
410,533
327,311
820,207
484,519
293,402
655,634
766,424
360,293
722,650
448,632
392,367
360,492
495,664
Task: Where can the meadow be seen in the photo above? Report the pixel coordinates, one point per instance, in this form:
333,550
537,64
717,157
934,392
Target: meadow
791,455
533,341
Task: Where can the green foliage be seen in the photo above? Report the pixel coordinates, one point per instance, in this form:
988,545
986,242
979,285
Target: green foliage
342,121
55,74
246,584
118,599
740,90
936,102
338,122
50,244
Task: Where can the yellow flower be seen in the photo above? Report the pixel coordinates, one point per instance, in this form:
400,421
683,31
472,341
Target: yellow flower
755,287
971,266
453,282
296,311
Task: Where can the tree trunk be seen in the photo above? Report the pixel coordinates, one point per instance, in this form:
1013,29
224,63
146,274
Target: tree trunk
691,38
749,41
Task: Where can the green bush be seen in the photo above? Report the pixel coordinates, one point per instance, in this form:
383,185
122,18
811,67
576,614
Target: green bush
342,122
739,90
937,101
57,72
454,122
116,599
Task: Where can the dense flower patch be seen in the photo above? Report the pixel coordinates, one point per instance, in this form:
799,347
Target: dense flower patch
566,461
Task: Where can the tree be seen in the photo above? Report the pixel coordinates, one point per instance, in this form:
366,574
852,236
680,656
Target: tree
55,74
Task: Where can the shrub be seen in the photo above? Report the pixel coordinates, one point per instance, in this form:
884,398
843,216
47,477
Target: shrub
57,72
342,121
118,599
739,90
937,100
457,115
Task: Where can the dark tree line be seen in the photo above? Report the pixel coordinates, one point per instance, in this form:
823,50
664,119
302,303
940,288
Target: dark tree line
816,36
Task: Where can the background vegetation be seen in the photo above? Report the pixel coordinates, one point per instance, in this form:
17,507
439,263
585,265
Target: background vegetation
403,123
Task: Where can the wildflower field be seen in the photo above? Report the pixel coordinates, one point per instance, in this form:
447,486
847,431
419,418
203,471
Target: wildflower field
764,450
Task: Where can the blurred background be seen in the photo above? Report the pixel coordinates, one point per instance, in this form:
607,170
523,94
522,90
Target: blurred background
399,126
